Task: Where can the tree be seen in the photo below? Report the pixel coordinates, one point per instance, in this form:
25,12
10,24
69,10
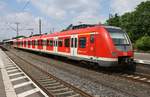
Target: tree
136,23
143,43
114,20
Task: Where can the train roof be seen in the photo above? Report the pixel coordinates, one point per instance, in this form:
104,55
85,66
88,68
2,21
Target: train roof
112,27
72,30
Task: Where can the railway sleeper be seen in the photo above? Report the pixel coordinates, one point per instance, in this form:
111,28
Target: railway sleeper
65,94
49,82
55,87
49,85
60,89
75,95
45,79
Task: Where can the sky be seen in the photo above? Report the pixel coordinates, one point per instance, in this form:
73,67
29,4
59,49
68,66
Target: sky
56,14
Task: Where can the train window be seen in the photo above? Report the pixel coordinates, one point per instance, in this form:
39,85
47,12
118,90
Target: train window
41,42
67,42
33,42
56,43
24,42
47,43
71,42
38,42
44,42
60,43
51,43
28,42
82,42
75,42
92,38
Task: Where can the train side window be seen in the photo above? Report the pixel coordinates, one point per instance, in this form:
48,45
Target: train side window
24,42
28,42
56,43
71,42
41,42
82,42
33,42
47,42
44,42
92,38
75,42
51,43
67,42
60,43
38,42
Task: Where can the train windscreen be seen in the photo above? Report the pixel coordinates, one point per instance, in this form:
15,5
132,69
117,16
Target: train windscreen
119,38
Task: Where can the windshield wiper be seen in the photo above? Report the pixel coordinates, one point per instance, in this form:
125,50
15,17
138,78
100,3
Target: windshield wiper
122,44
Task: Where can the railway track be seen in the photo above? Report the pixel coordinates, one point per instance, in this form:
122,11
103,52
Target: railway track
133,77
136,76
52,85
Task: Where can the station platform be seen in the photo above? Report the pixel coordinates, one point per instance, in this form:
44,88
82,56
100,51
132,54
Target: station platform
143,58
14,82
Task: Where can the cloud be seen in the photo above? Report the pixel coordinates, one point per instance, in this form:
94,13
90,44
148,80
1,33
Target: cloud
81,10
122,6
4,8
26,21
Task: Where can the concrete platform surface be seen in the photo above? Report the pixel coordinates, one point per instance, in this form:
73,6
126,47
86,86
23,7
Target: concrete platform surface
142,58
14,82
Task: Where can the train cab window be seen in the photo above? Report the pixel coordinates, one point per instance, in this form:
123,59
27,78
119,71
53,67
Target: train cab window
67,42
82,42
60,43
51,43
92,38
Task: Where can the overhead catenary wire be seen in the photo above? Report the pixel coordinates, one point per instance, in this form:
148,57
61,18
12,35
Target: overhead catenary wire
17,23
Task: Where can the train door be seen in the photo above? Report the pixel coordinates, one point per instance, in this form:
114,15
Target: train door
92,46
55,44
36,44
74,45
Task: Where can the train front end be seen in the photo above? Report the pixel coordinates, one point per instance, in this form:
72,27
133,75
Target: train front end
122,47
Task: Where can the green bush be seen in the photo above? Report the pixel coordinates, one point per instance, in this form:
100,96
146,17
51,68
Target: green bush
143,43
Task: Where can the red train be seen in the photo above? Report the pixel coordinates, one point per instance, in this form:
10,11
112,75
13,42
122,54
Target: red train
106,45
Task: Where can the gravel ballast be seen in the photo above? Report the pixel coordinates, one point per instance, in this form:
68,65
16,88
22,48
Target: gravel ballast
96,83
